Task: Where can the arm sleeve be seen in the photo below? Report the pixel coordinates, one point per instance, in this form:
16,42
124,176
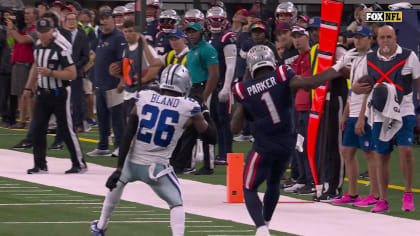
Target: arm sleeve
65,58
120,45
230,58
130,131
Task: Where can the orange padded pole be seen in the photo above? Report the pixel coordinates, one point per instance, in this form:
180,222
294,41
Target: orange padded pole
234,177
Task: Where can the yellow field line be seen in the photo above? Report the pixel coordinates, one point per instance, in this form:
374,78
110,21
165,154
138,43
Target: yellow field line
415,190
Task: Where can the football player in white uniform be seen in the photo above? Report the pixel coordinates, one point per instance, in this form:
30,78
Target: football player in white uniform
153,129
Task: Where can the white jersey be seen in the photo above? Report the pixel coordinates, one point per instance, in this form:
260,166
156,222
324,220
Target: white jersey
355,100
161,124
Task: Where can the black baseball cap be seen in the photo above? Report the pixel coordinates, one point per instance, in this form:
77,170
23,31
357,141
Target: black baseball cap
43,25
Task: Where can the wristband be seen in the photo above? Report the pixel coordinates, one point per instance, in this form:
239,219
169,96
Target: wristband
28,89
50,74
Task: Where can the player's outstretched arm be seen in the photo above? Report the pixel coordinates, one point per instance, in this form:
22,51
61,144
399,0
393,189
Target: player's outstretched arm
315,81
205,126
238,119
130,131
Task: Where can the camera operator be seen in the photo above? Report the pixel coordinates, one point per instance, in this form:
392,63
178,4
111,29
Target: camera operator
4,72
22,59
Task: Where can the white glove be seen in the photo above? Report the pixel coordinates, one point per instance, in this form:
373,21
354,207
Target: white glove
224,94
345,60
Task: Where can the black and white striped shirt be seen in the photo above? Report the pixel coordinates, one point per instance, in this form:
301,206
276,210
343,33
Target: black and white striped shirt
56,56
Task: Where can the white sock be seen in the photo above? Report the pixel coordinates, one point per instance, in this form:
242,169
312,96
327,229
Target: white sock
262,231
267,223
178,221
111,200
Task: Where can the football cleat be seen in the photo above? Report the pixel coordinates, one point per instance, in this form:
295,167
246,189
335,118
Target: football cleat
95,230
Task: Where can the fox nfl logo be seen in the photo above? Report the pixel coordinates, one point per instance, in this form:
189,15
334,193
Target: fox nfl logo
383,16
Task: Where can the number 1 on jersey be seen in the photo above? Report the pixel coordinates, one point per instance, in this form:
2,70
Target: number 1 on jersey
268,100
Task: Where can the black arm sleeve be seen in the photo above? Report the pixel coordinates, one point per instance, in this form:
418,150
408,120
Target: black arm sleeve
210,135
130,131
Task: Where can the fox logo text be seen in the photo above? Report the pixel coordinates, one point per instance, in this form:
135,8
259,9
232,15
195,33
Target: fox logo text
384,16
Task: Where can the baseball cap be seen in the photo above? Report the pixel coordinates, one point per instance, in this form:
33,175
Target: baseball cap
86,12
314,22
43,25
244,11
196,26
59,3
363,30
106,13
68,8
177,33
299,30
283,27
254,13
257,25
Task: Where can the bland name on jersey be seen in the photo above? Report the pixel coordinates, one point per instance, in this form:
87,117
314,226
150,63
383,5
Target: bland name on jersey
262,86
168,101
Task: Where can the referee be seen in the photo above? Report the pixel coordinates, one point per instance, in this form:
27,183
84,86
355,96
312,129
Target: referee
53,69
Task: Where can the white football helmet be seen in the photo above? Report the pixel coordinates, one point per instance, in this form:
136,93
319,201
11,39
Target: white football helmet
216,20
177,78
192,16
168,20
154,3
260,56
130,8
287,8
119,11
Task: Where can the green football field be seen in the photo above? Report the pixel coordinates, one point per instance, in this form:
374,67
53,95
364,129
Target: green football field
75,218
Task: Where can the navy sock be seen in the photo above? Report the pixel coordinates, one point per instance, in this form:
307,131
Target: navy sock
254,206
271,197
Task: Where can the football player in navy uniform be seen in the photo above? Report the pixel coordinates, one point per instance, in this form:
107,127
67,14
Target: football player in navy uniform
152,10
168,21
265,100
191,16
156,124
220,104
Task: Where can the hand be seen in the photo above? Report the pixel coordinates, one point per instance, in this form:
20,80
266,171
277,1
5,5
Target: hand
121,86
360,127
224,95
44,71
9,24
111,183
92,56
361,88
115,69
345,61
343,123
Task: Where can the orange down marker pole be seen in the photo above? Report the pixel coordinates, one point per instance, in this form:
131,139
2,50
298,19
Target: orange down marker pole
234,177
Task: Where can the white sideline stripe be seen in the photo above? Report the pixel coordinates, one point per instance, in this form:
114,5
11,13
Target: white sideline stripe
115,207
24,191
40,194
49,196
8,184
19,187
88,222
210,231
208,200
72,200
166,218
208,226
49,203
129,212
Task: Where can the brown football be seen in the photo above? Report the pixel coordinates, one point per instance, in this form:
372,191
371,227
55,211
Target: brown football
367,79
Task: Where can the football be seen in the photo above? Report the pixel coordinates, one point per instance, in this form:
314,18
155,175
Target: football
367,79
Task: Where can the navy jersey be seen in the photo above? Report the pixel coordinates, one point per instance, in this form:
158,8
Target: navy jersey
219,44
162,45
151,31
267,102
